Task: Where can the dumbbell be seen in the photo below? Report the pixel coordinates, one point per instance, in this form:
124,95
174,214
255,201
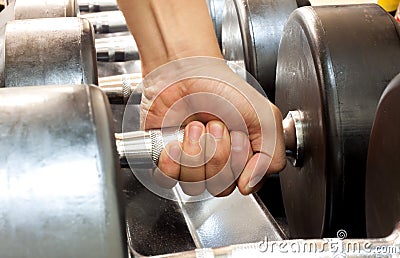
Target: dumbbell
382,179
103,22
90,6
119,48
57,51
63,199
333,65
32,9
251,32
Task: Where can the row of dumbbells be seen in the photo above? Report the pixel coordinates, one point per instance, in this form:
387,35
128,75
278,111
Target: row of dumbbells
326,68
47,50
332,66
116,48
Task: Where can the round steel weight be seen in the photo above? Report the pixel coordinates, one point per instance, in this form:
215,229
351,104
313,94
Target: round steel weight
383,174
216,8
49,51
333,64
251,31
33,9
59,180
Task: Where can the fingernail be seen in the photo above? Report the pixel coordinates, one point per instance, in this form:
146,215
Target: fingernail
254,181
216,130
174,151
237,141
195,133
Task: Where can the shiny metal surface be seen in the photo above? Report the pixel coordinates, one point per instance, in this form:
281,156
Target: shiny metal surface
235,219
383,177
120,88
335,76
155,225
49,51
142,149
321,248
32,61
117,68
118,80
216,9
294,137
97,5
32,9
233,48
251,32
116,49
59,182
107,22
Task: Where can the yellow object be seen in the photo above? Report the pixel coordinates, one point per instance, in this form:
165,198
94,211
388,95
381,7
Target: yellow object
389,5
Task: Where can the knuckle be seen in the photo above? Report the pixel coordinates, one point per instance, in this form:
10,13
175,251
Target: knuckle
277,165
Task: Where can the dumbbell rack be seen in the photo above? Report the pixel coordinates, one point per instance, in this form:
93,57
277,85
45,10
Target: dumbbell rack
157,226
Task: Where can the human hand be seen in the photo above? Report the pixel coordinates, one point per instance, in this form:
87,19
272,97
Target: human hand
233,134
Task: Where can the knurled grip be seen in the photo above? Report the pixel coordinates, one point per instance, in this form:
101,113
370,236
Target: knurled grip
126,88
142,149
160,138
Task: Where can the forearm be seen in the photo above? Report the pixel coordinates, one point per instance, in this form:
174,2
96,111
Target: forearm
166,30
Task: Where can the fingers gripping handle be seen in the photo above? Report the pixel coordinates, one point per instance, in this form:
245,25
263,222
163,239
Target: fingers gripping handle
142,149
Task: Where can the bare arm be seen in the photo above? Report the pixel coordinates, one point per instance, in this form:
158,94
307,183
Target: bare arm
166,30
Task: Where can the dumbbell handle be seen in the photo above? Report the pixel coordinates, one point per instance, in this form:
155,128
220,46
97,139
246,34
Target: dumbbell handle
143,148
107,22
120,88
91,6
116,49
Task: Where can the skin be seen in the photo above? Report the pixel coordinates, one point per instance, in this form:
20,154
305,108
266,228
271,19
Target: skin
168,30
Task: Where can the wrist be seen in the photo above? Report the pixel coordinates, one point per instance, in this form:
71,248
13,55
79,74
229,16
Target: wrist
167,30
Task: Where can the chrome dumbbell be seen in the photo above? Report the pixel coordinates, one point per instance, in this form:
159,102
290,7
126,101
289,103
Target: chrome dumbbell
55,51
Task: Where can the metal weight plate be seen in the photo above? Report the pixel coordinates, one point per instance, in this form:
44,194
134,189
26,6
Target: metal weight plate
383,173
333,64
216,9
32,9
49,51
59,182
251,31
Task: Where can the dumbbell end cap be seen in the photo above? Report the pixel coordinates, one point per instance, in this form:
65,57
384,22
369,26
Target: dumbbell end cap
294,137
